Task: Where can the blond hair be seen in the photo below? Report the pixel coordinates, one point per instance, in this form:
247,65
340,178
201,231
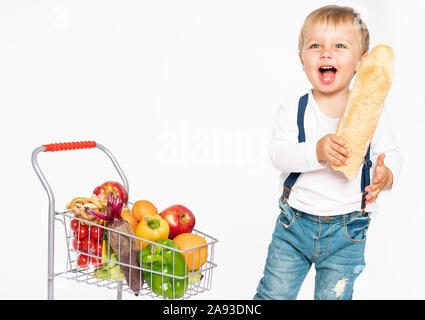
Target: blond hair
335,15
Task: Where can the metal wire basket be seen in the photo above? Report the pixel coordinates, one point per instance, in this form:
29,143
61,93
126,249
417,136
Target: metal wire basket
194,281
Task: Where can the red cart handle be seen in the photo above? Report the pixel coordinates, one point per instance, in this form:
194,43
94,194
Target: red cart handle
63,146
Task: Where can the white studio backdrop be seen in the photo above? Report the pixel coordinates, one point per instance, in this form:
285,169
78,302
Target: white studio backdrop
183,93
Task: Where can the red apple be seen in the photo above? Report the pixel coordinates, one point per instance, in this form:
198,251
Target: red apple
179,218
114,187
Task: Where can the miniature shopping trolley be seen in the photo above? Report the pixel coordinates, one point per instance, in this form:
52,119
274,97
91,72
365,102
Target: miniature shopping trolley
149,269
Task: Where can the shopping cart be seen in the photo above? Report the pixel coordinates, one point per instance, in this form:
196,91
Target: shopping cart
154,281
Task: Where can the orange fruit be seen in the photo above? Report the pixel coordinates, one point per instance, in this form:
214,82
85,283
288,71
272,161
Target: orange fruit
130,218
143,208
194,258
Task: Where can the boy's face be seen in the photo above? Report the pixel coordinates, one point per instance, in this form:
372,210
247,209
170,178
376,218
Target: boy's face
330,56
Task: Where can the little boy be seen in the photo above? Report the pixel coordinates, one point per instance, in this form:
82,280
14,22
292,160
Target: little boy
320,218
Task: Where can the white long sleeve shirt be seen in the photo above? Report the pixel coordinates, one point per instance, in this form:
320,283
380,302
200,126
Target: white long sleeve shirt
321,190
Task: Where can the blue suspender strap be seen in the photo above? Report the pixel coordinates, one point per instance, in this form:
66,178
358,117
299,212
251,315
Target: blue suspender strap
302,104
292,178
365,178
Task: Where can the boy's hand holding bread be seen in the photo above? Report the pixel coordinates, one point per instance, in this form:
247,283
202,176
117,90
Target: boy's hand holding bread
333,149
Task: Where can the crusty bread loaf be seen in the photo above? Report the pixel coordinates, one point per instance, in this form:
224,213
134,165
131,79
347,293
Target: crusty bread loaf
361,114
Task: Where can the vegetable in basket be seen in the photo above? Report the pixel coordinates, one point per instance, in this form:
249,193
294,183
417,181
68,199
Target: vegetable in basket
160,259
152,228
127,249
113,209
114,274
109,270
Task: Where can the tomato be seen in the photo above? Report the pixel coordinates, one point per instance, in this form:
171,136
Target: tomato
89,245
82,260
98,248
75,243
80,245
96,233
85,245
83,232
92,246
95,248
74,225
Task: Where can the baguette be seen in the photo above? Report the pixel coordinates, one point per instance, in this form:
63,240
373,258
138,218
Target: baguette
365,103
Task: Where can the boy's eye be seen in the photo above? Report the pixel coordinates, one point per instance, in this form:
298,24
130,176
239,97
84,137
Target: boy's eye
314,46
340,45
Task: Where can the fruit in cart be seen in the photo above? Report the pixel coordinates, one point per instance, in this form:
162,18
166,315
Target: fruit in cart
113,187
95,261
74,225
179,218
165,261
78,245
128,216
97,252
96,233
97,249
152,228
86,245
195,258
126,249
82,232
143,208
90,246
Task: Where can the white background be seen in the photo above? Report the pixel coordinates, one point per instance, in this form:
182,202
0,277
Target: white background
183,93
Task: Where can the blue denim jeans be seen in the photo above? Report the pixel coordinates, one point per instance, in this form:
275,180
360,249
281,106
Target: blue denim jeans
335,245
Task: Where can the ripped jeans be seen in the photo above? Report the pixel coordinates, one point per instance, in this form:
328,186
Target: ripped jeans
335,245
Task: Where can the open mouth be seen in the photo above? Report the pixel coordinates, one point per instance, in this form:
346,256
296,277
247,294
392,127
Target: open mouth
327,74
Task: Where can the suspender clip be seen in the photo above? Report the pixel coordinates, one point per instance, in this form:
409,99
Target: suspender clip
286,191
368,163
